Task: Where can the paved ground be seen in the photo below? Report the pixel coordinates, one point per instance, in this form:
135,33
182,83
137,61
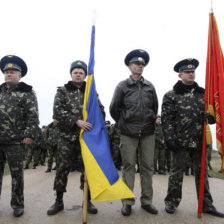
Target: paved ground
39,196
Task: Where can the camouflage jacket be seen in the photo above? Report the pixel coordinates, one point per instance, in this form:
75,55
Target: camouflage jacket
52,135
182,115
114,135
68,108
18,113
159,134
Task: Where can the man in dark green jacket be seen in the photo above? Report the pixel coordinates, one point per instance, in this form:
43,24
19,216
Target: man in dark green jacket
134,107
18,124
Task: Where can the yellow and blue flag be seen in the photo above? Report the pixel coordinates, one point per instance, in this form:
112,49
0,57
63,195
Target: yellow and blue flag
103,178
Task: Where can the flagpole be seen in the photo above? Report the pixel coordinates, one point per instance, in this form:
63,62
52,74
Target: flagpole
86,185
211,5
85,200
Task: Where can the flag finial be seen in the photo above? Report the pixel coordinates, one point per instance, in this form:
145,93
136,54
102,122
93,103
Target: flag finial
94,16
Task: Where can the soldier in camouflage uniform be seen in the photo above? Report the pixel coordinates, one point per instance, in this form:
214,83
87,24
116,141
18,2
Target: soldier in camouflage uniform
115,145
182,121
18,125
31,153
68,108
160,148
52,144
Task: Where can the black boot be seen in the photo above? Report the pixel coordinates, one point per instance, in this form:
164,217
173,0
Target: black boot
54,168
18,212
91,208
48,170
58,205
26,166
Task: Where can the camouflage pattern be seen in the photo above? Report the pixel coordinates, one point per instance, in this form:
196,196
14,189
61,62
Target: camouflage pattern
14,156
52,143
182,119
182,123
42,146
114,136
68,107
18,113
66,152
31,150
160,150
178,164
18,119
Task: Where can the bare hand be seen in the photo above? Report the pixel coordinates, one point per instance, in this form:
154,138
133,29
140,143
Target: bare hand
28,141
84,125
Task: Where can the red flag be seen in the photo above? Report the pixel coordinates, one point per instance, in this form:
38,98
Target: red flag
214,87
214,96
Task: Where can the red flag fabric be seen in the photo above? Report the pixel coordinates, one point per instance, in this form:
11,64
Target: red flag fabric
214,98
214,87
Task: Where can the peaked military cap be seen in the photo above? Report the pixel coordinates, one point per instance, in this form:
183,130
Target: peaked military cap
13,62
186,65
137,56
78,64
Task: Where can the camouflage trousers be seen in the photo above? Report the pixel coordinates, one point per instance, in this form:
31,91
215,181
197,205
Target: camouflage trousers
13,154
160,157
178,165
66,151
116,155
145,147
52,153
31,152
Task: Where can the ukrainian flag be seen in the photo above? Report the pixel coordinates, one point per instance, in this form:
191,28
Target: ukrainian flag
103,179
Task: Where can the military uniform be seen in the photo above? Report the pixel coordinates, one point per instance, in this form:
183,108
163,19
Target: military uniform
182,122
31,150
114,136
52,144
68,109
18,120
160,150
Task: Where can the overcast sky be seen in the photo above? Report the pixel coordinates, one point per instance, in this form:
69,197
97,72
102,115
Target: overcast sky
50,34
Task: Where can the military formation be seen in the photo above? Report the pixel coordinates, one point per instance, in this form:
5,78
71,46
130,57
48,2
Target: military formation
140,140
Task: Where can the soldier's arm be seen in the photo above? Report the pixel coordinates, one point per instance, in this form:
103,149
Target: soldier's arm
155,102
168,117
61,113
31,116
116,103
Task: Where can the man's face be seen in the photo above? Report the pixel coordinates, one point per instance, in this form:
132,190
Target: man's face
78,75
187,77
158,120
136,70
12,77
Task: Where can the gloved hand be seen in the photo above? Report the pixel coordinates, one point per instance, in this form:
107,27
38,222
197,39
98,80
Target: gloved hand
207,116
172,146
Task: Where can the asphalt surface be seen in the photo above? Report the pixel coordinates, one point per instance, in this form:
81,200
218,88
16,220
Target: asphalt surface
39,196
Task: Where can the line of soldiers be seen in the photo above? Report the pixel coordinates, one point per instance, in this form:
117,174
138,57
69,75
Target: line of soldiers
134,108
